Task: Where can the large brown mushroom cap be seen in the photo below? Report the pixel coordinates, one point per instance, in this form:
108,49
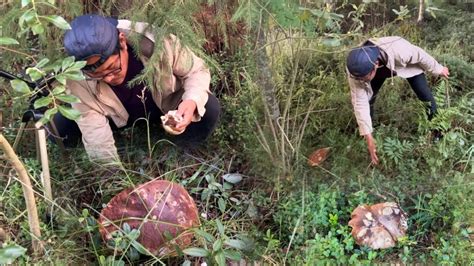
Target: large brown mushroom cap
378,226
158,208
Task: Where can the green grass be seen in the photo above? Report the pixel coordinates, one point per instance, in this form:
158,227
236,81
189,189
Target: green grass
283,211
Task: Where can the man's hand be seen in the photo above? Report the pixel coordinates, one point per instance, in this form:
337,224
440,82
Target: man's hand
372,149
445,72
186,110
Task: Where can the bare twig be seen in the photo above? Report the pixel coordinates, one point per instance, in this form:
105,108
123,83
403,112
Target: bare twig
27,192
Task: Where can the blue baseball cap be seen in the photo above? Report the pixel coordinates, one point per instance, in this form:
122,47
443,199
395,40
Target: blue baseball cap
361,60
92,35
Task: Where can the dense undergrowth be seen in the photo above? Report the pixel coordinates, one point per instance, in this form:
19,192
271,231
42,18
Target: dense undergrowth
257,197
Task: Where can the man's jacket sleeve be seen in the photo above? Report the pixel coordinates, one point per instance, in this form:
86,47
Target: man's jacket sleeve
97,135
360,96
193,72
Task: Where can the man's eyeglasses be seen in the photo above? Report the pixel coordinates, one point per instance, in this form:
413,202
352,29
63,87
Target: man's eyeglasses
93,67
90,75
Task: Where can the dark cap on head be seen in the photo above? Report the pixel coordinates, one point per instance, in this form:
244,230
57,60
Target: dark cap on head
361,60
91,35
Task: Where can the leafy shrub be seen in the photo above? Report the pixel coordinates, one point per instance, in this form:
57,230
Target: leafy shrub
395,150
316,224
306,214
302,215
460,70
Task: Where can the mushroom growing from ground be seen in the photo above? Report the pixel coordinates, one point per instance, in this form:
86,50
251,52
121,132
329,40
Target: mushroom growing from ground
378,226
170,120
159,209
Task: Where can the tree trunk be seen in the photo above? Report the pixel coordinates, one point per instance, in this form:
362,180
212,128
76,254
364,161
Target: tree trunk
28,193
265,77
421,11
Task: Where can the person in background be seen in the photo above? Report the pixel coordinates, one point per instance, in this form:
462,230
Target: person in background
108,100
377,59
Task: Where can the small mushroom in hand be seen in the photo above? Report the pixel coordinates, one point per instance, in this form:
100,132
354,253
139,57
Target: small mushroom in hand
169,121
378,226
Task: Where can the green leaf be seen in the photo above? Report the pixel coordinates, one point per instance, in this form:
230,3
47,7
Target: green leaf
27,17
55,66
132,254
168,235
140,248
232,255
205,194
10,253
111,261
220,258
186,263
102,260
134,234
8,41
58,21
41,102
37,29
221,204
209,238
67,62
196,252
77,66
236,243
59,89
48,115
61,79
70,113
42,63
220,227
34,73
25,2
217,245
68,98
331,42
232,178
20,86
76,75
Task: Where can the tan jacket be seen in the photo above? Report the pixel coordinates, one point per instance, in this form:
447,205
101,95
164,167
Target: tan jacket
179,75
406,59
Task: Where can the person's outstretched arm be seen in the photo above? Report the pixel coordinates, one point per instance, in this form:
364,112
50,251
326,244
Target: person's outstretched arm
360,95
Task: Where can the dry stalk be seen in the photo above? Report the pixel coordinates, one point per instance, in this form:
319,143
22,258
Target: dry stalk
27,192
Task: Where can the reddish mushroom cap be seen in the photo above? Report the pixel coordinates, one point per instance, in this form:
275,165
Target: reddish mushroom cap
157,208
318,156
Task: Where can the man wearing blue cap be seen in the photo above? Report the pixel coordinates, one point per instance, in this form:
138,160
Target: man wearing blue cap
377,59
108,100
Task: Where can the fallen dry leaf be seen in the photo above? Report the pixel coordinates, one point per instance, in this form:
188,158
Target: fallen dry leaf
318,156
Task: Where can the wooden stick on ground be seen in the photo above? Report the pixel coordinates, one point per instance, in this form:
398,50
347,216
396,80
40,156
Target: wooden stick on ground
27,192
44,162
